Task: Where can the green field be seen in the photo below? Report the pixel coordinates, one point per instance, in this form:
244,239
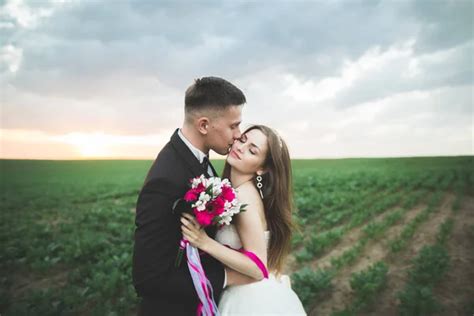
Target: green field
370,231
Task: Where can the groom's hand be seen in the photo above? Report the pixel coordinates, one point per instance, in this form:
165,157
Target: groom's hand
237,278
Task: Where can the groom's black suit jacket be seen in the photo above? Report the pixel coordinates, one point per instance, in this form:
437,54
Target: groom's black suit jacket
166,290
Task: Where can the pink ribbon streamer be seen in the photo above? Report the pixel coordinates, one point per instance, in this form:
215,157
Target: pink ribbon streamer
257,261
207,306
254,258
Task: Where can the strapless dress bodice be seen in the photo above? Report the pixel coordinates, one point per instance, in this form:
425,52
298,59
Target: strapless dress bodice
228,235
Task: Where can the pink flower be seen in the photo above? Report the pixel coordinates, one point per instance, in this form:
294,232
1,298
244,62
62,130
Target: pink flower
218,205
228,194
204,218
191,195
200,188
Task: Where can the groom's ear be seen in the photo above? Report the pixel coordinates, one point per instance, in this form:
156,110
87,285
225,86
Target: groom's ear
203,125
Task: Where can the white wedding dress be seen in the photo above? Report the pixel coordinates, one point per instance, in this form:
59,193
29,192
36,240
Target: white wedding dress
272,296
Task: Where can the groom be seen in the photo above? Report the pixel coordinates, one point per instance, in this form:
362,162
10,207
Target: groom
213,108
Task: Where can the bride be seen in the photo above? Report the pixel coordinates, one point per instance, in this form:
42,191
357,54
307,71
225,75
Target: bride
259,168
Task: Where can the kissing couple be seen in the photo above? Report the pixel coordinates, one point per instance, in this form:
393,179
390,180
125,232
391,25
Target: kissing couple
258,167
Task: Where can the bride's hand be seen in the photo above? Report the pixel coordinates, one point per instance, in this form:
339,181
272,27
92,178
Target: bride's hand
193,231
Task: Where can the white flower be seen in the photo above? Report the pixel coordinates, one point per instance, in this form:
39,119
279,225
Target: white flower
216,190
204,197
198,180
225,219
200,205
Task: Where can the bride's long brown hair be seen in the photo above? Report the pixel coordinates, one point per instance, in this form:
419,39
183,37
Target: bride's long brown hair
277,196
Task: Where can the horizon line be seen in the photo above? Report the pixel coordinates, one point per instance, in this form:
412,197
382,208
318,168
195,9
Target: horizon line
295,158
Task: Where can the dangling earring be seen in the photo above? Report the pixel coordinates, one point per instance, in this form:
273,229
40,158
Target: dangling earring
260,185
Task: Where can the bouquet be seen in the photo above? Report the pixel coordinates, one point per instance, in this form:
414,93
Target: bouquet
213,202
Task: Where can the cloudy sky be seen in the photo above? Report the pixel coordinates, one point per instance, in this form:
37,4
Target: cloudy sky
95,79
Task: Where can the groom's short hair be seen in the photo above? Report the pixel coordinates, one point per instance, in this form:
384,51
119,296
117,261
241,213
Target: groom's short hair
212,93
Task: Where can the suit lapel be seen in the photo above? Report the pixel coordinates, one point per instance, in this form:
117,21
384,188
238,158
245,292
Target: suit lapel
194,166
191,161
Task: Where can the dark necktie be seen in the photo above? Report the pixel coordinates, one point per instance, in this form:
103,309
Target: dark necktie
205,163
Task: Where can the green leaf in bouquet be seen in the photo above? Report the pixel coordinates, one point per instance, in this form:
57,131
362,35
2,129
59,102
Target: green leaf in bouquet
216,220
209,190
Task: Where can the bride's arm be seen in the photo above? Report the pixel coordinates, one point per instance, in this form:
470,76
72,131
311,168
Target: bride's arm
250,229
237,278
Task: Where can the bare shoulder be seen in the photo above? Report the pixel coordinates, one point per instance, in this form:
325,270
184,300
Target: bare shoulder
248,194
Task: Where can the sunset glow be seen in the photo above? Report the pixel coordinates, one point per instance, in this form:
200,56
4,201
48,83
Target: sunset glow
399,84
97,145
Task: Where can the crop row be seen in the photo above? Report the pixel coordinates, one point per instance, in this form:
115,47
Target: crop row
301,278
417,297
429,267
318,243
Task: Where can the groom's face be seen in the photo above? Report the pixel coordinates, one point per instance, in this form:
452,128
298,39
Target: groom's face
224,129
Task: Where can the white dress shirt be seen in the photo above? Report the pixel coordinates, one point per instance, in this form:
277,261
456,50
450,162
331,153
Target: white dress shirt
198,153
200,157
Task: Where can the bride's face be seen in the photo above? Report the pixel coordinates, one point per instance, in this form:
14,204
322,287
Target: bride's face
248,153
